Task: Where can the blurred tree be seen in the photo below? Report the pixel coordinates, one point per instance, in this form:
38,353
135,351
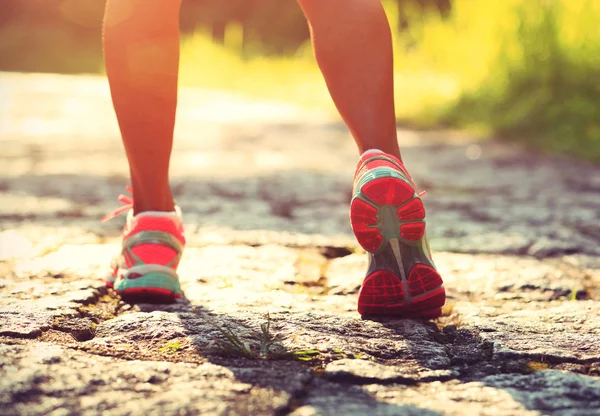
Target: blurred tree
442,6
272,26
268,26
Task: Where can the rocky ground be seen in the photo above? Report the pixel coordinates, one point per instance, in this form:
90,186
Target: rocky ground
271,272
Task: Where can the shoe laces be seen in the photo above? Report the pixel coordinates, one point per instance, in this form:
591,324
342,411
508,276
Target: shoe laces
126,200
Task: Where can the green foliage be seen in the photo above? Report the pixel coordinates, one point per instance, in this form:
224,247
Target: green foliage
541,84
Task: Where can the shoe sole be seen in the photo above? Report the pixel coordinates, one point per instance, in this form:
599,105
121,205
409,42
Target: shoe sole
149,288
388,220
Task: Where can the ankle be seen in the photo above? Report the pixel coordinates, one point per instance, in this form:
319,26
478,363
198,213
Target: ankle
153,201
153,205
151,194
392,152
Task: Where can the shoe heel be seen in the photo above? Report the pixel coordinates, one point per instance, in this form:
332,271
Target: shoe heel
426,293
383,293
153,285
370,224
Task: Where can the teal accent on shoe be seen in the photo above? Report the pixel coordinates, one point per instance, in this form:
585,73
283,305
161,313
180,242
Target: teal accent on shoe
379,172
152,280
379,157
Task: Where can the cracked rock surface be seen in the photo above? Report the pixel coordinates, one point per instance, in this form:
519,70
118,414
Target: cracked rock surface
271,273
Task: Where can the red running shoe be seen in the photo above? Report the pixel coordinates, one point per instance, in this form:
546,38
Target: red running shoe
388,220
146,268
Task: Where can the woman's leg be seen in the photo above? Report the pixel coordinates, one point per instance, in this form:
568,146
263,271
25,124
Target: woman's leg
353,46
141,49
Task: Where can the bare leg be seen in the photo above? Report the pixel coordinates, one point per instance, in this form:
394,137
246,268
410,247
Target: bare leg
141,50
353,47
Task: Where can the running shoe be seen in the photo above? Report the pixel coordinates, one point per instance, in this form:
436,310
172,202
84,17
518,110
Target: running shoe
388,220
153,242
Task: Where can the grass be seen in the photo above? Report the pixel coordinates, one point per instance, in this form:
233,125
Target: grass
340,354
537,87
258,344
306,355
263,344
171,347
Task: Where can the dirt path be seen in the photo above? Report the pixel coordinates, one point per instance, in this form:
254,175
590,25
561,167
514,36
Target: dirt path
264,189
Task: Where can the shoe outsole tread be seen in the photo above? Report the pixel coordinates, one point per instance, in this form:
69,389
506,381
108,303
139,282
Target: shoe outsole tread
388,220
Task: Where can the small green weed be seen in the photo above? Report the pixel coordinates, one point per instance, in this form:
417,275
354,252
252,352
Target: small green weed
346,354
573,295
226,283
171,347
306,355
258,344
234,343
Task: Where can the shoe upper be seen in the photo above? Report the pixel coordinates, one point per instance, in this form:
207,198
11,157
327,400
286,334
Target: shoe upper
153,238
153,241
372,159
